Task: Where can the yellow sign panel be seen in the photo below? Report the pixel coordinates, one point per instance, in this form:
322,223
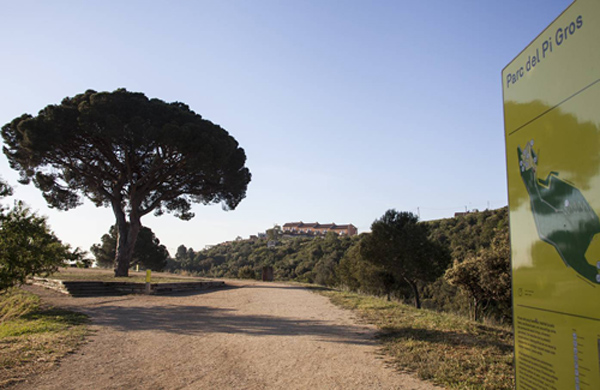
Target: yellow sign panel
552,129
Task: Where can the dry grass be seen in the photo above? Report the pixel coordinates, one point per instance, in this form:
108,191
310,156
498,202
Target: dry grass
448,350
34,338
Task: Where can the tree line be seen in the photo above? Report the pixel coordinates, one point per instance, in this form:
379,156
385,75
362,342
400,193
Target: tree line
459,264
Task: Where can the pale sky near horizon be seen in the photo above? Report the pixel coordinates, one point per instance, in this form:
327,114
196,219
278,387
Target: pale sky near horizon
345,108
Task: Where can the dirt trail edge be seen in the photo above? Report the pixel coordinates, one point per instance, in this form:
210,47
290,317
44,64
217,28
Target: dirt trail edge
250,335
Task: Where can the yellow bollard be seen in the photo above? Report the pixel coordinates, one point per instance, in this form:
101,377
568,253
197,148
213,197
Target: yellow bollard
148,288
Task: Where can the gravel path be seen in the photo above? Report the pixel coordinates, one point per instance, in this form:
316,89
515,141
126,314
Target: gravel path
249,336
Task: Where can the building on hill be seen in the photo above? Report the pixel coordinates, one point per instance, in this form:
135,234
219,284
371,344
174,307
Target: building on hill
466,212
316,228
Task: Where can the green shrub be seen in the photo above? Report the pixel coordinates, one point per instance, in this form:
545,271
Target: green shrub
246,272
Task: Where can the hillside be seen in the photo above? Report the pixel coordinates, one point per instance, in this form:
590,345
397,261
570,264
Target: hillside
302,259
335,261
469,233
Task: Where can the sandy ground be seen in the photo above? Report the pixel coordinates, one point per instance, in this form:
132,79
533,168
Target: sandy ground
250,335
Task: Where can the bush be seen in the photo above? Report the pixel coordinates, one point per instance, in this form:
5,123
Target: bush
27,247
246,272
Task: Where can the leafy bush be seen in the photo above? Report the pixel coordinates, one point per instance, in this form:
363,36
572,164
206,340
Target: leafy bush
246,272
27,246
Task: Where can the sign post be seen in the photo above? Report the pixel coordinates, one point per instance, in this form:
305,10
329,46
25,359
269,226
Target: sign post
552,130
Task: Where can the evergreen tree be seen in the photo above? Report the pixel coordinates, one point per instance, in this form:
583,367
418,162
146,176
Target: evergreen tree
125,151
148,253
400,245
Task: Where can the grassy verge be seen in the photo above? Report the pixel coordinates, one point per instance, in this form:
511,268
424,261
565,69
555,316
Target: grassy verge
445,349
104,275
34,338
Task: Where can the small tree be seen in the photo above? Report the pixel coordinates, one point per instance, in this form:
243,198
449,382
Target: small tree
485,277
148,252
105,251
357,274
400,245
125,151
27,246
181,253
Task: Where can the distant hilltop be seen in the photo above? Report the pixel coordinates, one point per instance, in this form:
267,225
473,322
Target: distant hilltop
318,229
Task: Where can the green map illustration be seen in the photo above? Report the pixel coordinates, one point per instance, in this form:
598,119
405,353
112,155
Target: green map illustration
563,217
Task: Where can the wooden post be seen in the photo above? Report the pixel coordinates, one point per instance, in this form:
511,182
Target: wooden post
267,274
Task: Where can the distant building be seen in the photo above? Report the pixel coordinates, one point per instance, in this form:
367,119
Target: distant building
318,229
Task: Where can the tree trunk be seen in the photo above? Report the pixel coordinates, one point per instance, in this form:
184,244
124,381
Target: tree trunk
415,289
475,309
128,233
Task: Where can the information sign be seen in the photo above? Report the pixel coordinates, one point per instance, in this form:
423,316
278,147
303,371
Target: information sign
552,131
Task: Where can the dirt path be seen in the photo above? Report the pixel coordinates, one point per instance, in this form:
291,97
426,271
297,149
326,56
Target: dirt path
250,336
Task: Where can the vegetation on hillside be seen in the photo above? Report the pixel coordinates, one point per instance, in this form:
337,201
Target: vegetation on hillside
302,259
477,244
469,238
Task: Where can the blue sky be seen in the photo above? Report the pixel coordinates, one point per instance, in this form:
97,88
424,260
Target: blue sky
345,108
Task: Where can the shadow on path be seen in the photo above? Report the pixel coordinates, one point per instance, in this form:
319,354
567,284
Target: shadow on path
198,320
167,314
